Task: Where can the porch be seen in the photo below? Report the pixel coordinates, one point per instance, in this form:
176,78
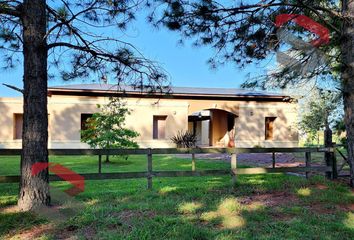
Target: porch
213,127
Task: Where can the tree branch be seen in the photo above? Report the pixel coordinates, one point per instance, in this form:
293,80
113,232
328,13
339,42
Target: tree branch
66,21
74,31
9,10
13,88
81,48
299,4
96,53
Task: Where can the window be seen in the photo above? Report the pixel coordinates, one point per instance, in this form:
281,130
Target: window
159,127
18,124
84,119
269,128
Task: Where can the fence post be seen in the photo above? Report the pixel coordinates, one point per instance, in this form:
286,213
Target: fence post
233,168
99,163
149,168
273,159
307,162
193,162
329,155
334,164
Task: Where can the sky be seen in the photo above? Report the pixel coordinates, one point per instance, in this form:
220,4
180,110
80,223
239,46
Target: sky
186,65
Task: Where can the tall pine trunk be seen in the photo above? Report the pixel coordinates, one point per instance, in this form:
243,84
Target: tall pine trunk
34,191
348,79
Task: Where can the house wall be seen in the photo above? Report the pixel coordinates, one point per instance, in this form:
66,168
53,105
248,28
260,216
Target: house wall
65,111
8,107
250,125
68,109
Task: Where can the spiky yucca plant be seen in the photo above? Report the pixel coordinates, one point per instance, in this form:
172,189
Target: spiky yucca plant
184,139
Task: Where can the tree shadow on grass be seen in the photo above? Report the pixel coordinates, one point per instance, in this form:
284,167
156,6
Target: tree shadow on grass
269,206
17,222
8,194
261,207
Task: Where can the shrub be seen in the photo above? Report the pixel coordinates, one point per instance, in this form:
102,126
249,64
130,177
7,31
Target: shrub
184,139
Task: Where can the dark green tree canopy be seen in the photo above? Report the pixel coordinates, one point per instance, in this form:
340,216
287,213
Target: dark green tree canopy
80,42
243,32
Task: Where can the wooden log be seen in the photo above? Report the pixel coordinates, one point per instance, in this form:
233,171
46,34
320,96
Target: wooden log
149,169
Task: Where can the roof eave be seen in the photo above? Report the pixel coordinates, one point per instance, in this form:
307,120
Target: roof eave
54,91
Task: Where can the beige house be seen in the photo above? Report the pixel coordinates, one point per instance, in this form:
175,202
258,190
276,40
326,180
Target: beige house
219,117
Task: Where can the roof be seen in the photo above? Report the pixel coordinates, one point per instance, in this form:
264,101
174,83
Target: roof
173,91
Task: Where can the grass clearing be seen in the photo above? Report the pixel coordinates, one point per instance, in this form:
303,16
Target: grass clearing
272,206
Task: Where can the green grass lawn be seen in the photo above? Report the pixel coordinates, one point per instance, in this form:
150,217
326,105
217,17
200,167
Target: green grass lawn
272,206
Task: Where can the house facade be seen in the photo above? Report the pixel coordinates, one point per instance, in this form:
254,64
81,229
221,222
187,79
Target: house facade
218,117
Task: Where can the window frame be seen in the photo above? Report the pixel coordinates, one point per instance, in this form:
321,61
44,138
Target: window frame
269,128
156,128
82,125
14,135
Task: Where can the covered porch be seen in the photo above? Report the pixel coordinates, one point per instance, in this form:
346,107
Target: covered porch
213,127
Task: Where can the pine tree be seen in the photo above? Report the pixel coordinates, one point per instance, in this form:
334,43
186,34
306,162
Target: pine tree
50,35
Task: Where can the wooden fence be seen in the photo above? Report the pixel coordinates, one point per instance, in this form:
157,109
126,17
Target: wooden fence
329,169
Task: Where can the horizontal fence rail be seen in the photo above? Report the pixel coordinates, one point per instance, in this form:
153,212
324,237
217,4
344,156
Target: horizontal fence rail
149,174
143,151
